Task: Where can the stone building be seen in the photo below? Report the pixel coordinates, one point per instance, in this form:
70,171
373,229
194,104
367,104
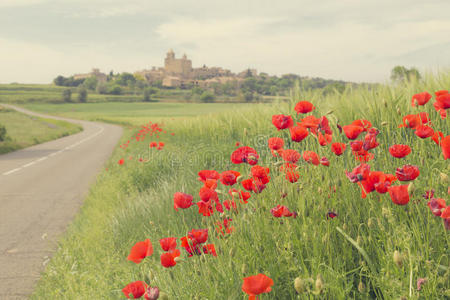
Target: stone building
101,77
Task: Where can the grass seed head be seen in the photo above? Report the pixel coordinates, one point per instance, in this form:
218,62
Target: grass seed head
398,258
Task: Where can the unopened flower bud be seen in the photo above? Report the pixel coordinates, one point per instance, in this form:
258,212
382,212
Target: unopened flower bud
398,258
361,287
384,123
319,283
152,293
384,102
329,112
299,285
411,188
370,222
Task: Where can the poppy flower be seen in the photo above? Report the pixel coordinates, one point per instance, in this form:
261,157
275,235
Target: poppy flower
446,216
168,244
324,139
311,157
365,124
121,161
424,131
134,290
210,184
199,235
420,99
352,131
182,200
209,249
160,145
304,107
407,173
243,196
261,173
140,251
331,215
310,122
153,145
282,211
338,148
245,154
324,161
282,121
224,227
275,143
357,146
290,171
411,121
440,93
437,137
205,208
370,140
399,194
290,155
256,285
168,258
204,175
445,146
298,133
399,150
229,177
207,194
254,185
436,206
229,204
359,173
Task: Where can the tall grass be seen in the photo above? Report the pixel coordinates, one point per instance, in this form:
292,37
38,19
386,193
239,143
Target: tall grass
353,252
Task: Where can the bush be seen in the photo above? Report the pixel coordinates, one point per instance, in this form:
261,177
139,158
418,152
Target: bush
67,95
2,133
148,92
115,90
82,94
207,97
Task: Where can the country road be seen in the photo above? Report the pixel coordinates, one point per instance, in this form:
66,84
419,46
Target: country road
41,190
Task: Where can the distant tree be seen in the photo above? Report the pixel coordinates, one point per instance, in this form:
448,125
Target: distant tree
248,73
148,92
401,74
248,96
59,80
115,90
67,95
2,133
101,88
82,94
125,79
197,90
207,97
91,83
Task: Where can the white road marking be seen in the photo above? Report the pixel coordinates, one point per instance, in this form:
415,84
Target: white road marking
55,153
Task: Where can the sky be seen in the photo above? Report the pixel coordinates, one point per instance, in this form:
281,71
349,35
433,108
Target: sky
358,41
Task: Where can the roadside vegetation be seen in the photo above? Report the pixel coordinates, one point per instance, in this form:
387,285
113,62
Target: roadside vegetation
333,242
18,130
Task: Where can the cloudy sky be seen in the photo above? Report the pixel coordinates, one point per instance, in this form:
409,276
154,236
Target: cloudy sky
346,39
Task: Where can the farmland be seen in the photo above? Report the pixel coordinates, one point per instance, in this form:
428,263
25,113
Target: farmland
345,242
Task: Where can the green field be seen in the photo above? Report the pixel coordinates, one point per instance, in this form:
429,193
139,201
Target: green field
24,131
348,257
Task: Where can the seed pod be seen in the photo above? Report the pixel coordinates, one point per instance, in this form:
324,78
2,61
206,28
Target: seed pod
361,287
384,123
398,258
399,112
411,188
329,112
319,283
299,285
384,102
370,223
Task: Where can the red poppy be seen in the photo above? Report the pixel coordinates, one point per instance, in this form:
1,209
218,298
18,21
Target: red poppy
282,211
134,290
304,107
168,258
207,194
205,208
399,194
309,122
437,137
261,173
445,146
362,123
243,196
168,244
291,172
331,215
359,173
442,103
357,146
352,131
224,227
370,140
229,177
338,148
440,93
209,249
298,133
424,131
324,161
199,235
208,174
290,155
399,150
275,143
230,204
256,285
140,251
153,145
420,99
244,155
411,121
407,173
210,184
253,185
121,161
311,157
324,139
282,121
436,206
182,200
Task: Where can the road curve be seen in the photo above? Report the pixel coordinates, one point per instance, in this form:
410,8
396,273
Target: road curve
41,190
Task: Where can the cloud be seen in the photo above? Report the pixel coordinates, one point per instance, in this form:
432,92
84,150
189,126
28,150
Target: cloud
12,3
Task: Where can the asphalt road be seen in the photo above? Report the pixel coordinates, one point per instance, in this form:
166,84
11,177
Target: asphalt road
41,190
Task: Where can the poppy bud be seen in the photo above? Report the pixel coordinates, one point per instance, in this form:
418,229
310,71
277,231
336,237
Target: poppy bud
444,177
384,123
244,269
319,283
399,112
299,285
370,222
329,112
361,287
384,102
359,240
152,293
398,258
411,188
